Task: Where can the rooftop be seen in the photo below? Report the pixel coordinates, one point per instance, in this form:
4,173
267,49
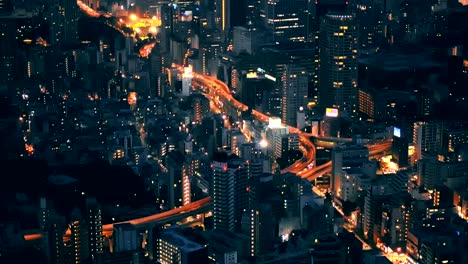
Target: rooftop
178,240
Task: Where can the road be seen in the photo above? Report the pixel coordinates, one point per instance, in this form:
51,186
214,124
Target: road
179,212
91,12
219,92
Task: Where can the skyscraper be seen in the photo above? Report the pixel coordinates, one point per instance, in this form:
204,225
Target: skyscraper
346,156
338,72
223,188
222,15
287,19
64,22
95,238
294,81
77,246
6,6
427,137
8,47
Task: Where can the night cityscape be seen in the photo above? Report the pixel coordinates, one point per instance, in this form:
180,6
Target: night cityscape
234,131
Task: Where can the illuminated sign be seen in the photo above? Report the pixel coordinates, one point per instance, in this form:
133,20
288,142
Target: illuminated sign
331,112
396,132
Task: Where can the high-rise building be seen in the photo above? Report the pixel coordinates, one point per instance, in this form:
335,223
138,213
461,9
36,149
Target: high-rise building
294,82
222,15
8,46
424,104
366,104
223,189
274,130
254,232
317,10
427,137
201,108
338,72
6,6
230,191
176,178
285,144
55,243
44,214
187,76
95,237
244,40
64,22
394,222
124,237
287,20
240,171
77,247
346,157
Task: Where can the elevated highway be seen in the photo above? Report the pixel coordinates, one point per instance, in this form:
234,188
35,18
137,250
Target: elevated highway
173,215
219,94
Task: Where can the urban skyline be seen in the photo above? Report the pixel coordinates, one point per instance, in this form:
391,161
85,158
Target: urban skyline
225,131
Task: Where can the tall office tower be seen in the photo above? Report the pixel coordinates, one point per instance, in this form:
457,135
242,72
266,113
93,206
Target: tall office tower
44,214
366,104
239,170
223,189
400,148
229,14
285,144
238,16
201,108
346,156
77,246
187,76
55,252
395,222
427,137
287,20
294,81
425,104
94,216
124,237
222,15
236,139
244,40
253,226
64,22
8,46
176,172
249,151
274,130
256,89
53,235
317,10
6,6
338,72
256,13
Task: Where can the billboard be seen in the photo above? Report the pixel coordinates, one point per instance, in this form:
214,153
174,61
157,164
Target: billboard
396,132
331,112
